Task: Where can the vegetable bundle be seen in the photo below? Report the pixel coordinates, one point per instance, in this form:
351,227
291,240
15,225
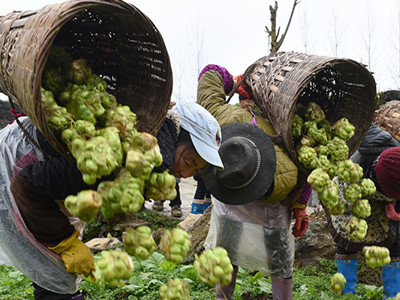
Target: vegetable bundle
322,148
139,242
102,137
113,267
175,288
214,267
175,244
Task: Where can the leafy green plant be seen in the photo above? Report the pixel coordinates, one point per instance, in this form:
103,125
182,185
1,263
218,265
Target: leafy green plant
309,283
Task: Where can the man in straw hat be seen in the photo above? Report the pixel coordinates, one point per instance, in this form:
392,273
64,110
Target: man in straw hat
379,156
255,194
38,236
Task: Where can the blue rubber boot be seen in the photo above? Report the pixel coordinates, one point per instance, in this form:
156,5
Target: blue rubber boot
348,268
391,279
197,207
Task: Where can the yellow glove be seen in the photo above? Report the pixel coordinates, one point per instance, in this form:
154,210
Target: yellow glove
75,255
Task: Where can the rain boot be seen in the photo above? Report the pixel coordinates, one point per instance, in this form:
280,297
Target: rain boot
226,292
391,279
197,207
348,268
281,288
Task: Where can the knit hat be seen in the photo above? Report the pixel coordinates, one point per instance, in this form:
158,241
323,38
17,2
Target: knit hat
203,128
387,171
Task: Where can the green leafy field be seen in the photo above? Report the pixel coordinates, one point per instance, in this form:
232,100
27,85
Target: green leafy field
309,283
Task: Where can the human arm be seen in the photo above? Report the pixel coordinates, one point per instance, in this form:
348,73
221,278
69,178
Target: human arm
215,83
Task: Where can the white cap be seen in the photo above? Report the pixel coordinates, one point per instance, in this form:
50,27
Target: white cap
203,128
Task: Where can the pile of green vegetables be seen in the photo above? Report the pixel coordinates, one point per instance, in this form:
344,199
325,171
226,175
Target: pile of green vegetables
322,148
102,137
109,151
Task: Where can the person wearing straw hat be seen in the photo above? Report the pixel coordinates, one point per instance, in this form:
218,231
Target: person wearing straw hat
256,193
379,156
38,236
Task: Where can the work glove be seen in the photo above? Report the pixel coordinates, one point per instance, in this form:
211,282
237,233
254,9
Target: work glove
241,90
391,212
75,255
301,223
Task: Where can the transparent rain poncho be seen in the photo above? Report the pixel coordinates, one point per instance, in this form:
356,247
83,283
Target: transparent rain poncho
256,236
18,247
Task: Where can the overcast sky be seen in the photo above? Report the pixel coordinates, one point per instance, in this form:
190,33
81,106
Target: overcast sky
232,33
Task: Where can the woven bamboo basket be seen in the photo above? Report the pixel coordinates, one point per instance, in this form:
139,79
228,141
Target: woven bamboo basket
342,87
387,117
119,42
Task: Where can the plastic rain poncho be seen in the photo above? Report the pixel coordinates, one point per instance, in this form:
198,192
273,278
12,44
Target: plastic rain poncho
18,247
256,236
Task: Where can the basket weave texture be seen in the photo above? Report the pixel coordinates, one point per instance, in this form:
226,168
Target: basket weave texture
118,41
342,87
388,118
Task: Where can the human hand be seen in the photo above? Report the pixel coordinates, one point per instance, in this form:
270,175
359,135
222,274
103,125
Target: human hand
240,90
75,255
301,223
391,212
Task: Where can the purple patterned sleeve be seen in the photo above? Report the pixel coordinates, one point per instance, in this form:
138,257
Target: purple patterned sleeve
226,76
305,194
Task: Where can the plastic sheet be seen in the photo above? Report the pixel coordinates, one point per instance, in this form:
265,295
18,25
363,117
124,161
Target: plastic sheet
256,236
18,247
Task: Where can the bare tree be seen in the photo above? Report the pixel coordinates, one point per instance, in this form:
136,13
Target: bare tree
368,38
305,29
337,33
273,33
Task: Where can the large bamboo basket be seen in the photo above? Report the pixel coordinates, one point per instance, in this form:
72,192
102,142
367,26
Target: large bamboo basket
342,87
387,117
120,43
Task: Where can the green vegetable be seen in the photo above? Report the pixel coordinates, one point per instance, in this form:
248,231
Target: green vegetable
123,194
376,256
318,134
57,117
368,187
139,242
349,171
175,244
336,210
124,120
297,126
337,283
78,71
318,179
213,267
343,129
357,228
338,149
308,157
313,112
113,268
161,186
329,196
85,205
96,159
175,289
361,208
352,192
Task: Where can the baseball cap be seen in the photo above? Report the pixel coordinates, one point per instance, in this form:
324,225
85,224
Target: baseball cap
203,128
